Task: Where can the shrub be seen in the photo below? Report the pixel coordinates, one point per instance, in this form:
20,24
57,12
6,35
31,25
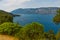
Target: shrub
31,31
9,28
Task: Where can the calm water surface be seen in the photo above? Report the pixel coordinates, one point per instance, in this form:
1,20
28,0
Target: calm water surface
45,19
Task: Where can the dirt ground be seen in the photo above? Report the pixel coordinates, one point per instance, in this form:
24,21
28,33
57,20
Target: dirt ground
6,37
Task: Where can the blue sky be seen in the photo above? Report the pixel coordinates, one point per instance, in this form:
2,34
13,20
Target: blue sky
9,5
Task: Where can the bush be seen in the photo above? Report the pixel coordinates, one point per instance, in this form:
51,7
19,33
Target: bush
9,28
31,31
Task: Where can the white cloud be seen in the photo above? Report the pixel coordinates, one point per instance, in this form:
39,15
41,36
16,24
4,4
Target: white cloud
9,5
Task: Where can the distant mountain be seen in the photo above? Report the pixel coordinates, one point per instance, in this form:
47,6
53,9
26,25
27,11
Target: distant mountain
42,10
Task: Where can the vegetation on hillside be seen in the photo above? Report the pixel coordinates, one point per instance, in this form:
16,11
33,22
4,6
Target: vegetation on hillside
5,17
33,31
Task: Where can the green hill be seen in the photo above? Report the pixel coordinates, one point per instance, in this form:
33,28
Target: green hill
5,17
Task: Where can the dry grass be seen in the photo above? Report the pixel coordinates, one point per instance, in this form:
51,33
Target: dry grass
6,37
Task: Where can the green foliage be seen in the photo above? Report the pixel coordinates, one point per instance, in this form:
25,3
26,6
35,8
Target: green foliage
33,31
49,35
9,28
5,17
56,19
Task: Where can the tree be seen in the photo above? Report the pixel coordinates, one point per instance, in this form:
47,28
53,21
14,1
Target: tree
50,35
33,31
56,19
46,36
9,28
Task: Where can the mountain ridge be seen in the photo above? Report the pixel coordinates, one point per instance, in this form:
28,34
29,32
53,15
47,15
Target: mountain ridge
41,10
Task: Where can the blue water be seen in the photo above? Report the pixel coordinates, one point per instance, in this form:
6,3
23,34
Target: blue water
45,19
